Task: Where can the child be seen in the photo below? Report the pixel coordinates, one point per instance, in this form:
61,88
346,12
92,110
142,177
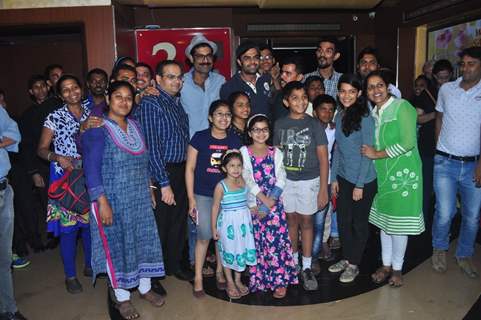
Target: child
353,177
202,173
304,144
232,227
265,177
314,87
324,108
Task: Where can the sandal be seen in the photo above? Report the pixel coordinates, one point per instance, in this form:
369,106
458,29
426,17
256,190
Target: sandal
127,310
381,274
396,279
280,293
155,299
221,285
233,293
243,290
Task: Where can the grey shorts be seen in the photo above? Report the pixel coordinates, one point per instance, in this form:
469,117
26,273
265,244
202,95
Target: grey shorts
204,209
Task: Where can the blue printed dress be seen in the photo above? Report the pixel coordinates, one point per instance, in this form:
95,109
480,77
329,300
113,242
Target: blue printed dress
275,266
234,225
129,249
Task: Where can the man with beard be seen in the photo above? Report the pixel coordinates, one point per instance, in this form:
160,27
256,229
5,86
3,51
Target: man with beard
201,84
457,168
248,79
326,54
367,62
97,81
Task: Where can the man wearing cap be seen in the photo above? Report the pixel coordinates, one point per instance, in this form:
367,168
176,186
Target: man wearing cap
248,79
201,84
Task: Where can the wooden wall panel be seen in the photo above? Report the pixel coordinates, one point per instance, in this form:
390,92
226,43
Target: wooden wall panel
98,22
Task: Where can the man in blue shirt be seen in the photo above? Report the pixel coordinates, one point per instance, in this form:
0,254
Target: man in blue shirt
201,85
166,128
248,79
9,139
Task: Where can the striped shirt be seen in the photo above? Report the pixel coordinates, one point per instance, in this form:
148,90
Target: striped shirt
166,129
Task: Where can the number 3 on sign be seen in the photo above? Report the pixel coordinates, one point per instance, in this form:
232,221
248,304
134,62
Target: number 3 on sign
167,47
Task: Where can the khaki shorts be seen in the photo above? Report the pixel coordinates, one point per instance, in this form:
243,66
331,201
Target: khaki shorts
301,196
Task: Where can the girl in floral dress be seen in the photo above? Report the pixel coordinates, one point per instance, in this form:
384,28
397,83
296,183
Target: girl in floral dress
265,176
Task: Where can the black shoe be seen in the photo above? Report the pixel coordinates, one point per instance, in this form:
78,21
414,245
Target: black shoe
184,275
12,316
88,272
157,287
73,285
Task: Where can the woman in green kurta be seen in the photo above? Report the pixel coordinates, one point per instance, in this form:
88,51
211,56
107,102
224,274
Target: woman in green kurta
397,207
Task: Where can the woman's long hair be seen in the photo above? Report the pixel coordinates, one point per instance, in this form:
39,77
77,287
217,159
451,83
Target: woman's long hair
351,121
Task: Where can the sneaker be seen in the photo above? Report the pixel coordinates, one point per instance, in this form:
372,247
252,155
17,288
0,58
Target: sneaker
339,266
73,285
467,266
19,262
335,243
309,282
438,261
349,274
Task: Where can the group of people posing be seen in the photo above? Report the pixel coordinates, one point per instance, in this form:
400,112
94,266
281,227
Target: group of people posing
270,165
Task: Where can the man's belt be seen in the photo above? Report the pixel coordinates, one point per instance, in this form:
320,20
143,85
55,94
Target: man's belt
459,158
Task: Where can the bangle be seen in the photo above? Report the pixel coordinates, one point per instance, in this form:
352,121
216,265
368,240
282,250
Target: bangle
48,156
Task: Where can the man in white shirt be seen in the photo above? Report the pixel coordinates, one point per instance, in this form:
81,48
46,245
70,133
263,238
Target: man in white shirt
456,163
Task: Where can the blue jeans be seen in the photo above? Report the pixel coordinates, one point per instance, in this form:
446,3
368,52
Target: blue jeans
7,299
192,238
452,177
334,230
318,221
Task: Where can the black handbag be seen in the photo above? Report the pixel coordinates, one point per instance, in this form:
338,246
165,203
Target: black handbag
70,191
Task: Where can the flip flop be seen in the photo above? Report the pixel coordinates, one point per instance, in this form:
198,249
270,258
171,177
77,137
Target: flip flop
233,293
243,290
381,274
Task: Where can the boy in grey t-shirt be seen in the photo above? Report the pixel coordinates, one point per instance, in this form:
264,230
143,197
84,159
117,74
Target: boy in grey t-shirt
304,144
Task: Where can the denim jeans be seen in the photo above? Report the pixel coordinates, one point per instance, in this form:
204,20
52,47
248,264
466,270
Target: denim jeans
7,299
318,221
334,228
452,177
192,238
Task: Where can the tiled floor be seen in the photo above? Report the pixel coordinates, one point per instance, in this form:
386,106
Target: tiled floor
426,295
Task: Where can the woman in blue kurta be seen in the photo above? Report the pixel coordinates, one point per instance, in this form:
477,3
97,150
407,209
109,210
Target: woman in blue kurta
125,243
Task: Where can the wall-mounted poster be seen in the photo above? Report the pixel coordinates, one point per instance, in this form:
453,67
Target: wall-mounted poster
447,43
153,46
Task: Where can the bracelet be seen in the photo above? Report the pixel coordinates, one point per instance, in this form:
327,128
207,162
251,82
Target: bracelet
48,156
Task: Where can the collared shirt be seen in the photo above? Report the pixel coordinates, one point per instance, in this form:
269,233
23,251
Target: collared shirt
259,98
97,110
461,125
330,84
196,100
8,129
166,129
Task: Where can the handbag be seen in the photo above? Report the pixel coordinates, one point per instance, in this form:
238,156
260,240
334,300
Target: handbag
70,191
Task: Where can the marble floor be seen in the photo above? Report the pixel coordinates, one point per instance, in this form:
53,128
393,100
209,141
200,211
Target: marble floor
426,295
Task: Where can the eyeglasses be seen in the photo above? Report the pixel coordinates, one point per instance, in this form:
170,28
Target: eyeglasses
203,57
174,77
223,115
259,130
266,58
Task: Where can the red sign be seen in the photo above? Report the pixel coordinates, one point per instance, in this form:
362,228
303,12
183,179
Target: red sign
156,45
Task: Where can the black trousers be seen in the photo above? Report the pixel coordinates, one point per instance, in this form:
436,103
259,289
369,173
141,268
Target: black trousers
30,205
172,220
353,219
